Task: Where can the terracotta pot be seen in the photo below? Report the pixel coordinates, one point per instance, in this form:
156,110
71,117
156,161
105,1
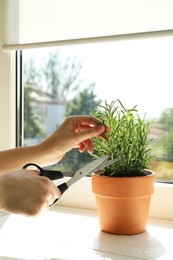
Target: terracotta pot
123,203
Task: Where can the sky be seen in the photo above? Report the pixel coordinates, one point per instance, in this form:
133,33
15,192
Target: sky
138,72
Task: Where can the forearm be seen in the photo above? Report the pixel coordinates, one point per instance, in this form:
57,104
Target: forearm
75,132
14,159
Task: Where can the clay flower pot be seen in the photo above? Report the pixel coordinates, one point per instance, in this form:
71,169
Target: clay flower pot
123,202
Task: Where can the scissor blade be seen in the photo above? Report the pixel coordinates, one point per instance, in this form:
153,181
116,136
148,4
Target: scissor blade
68,174
106,164
87,169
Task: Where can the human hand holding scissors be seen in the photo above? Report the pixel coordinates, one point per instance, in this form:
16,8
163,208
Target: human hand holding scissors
94,166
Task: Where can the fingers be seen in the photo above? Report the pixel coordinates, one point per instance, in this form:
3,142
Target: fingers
91,132
41,194
50,191
54,195
82,147
46,196
86,128
93,125
74,132
84,120
79,122
86,145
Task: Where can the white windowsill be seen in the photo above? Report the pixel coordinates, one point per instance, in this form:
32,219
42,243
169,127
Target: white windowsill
70,233
80,195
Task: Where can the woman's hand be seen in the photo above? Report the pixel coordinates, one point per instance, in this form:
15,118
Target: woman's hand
23,192
75,132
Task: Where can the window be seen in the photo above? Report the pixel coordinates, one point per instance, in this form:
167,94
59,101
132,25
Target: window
69,80
93,24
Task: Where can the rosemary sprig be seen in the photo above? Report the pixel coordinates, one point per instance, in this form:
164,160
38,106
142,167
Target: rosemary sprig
127,139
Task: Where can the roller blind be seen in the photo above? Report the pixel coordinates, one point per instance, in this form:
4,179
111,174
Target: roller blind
49,21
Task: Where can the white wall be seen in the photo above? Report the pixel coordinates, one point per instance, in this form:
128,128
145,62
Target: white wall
7,94
11,20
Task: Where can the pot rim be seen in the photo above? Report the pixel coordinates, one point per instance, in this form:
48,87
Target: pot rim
151,173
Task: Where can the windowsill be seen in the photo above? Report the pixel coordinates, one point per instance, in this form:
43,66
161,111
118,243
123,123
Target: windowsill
70,233
80,196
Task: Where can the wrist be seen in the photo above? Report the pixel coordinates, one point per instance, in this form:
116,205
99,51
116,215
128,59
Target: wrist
48,155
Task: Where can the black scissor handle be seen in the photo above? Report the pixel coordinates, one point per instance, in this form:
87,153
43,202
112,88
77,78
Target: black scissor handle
62,187
52,175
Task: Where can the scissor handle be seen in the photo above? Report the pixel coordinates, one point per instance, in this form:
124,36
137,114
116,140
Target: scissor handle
62,187
52,175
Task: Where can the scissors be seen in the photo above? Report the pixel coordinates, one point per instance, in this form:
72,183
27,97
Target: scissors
94,166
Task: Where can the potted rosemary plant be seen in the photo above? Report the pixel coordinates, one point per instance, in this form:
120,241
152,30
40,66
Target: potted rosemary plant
123,190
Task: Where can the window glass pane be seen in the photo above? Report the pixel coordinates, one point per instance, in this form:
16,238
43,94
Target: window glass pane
68,80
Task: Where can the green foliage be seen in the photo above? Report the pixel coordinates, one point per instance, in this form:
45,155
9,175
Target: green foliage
83,103
32,75
166,119
127,139
62,76
167,142
32,127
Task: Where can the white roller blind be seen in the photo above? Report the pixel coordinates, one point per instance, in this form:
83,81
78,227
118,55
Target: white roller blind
37,21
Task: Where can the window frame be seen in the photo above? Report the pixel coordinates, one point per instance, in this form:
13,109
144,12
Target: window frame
19,98
7,100
80,195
